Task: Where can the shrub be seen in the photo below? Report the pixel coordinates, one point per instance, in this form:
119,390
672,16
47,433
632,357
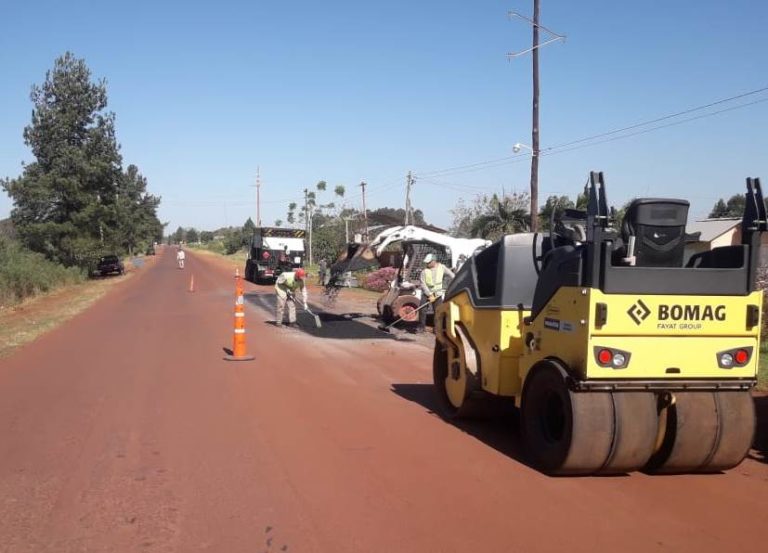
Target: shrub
379,280
24,273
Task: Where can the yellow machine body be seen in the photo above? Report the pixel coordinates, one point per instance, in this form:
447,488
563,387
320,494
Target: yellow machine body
621,353
675,338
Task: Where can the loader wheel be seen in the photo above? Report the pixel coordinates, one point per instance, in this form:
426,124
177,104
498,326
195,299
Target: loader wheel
705,432
453,391
405,307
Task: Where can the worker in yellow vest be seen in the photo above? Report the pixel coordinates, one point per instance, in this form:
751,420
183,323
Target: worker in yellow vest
432,287
286,287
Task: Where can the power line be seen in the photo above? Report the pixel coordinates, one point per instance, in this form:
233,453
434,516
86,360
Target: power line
665,117
644,131
498,162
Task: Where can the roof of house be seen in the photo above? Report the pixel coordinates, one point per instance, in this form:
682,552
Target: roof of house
712,228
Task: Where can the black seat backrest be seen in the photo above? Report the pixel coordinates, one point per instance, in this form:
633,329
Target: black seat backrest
658,226
560,267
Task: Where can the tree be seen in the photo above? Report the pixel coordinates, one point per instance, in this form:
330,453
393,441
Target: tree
233,241
179,236
719,210
394,216
278,222
487,216
74,201
192,235
136,223
556,205
249,227
291,217
582,199
734,207
65,198
507,215
206,236
339,191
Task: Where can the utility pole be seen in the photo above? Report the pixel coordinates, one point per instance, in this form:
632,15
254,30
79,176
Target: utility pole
308,222
258,197
408,209
365,212
535,137
535,121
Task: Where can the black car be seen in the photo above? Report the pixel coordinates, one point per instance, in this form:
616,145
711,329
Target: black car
110,264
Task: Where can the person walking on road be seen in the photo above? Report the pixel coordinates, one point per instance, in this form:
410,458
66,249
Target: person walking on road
180,255
286,287
433,290
322,269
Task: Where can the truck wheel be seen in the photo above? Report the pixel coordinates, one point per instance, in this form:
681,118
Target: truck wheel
705,432
405,307
565,432
453,391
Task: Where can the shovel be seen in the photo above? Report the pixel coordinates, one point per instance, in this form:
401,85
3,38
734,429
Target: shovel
318,322
390,325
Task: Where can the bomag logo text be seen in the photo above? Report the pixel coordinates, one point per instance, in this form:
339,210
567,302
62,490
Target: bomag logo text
691,313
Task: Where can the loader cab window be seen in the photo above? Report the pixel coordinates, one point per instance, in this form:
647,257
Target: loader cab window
486,265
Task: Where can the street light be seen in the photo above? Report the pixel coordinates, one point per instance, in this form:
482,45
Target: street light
519,146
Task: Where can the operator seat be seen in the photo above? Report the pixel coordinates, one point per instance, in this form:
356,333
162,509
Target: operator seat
658,226
562,258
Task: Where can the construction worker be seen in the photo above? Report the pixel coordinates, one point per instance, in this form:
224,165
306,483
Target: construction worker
322,268
287,285
432,288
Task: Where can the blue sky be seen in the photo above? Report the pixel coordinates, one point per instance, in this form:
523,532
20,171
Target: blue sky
349,91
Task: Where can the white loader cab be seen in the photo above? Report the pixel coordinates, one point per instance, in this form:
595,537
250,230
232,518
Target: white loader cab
414,243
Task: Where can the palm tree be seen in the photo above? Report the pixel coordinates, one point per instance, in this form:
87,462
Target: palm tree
504,217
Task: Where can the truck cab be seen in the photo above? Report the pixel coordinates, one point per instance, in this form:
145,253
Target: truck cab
273,251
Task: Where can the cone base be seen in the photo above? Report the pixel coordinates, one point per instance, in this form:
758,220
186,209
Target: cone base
239,358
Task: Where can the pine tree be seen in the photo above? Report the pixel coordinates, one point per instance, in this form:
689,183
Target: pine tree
74,201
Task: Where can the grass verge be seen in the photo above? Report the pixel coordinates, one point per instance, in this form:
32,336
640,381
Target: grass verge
762,371
25,322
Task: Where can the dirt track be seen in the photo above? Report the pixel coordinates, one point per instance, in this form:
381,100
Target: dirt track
125,430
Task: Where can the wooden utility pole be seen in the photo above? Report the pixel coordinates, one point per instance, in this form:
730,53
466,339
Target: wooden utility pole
258,197
308,222
535,149
365,212
408,209
535,125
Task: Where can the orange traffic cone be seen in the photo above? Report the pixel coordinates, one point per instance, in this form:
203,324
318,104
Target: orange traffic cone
238,340
192,283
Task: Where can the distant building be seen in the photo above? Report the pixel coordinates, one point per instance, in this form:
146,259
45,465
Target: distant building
719,232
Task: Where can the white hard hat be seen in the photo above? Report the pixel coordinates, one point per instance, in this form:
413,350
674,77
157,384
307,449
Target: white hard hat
429,258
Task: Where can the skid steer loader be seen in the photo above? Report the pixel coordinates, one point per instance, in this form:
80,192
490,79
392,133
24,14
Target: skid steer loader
619,356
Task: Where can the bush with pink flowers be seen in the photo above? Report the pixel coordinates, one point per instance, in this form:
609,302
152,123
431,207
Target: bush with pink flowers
379,280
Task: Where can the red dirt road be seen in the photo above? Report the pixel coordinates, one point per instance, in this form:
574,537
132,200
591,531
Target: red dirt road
125,431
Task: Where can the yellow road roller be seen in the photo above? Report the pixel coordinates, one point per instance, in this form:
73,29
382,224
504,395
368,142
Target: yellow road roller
620,353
